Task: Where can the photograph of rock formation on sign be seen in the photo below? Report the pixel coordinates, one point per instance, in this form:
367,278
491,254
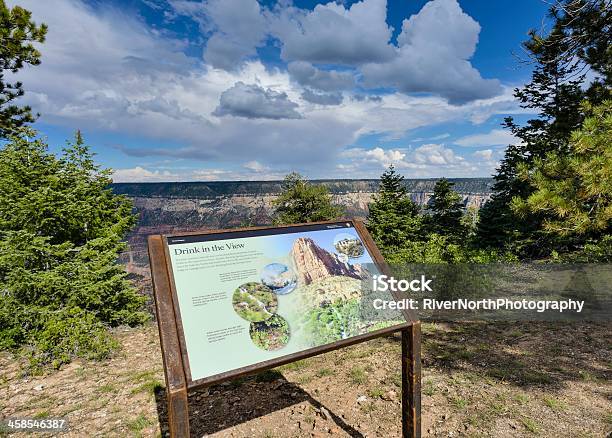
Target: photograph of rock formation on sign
330,288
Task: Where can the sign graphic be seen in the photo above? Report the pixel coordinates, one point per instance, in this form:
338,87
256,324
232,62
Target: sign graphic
248,297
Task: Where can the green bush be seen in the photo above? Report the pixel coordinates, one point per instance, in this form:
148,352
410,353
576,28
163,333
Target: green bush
67,333
61,231
437,249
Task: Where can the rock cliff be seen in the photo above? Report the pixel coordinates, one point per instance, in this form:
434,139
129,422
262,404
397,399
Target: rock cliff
175,207
313,263
206,205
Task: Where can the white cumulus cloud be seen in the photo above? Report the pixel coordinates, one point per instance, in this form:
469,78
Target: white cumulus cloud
495,137
140,174
433,55
334,34
106,70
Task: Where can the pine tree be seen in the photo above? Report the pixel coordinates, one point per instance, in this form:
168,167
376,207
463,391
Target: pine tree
556,92
574,189
17,33
302,202
61,231
588,25
498,226
393,217
446,211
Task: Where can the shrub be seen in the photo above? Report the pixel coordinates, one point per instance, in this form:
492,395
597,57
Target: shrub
61,230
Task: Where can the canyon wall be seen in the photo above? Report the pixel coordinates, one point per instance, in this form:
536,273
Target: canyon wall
177,207
314,263
201,205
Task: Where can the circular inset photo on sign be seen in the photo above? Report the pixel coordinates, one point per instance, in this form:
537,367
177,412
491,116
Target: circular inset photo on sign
278,277
348,244
271,334
254,302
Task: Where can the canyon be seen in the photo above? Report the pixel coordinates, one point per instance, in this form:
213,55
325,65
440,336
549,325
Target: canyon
175,207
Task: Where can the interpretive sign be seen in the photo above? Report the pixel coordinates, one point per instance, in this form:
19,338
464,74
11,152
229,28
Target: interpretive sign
234,302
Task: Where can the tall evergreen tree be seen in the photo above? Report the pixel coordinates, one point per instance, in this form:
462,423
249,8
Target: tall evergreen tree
17,33
302,202
555,91
446,211
575,189
61,231
588,25
393,217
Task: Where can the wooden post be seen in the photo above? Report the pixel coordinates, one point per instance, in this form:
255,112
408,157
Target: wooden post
176,386
411,381
178,413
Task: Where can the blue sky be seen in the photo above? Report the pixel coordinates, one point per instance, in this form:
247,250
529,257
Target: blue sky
180,90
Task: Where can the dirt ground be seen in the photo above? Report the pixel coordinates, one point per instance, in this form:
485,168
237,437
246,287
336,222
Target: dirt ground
479,380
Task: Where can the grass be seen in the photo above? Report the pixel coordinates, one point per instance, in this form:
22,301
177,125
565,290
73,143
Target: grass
325,372
142,375
429,388
358,375
43,402
395,379
268,376
554,404
148,382
459,402
519,373
429,327
586,376
530,425
465,354
497,409
107,388
473,420
139,423
294,366
534,377
304,379
483,347
376,392
70,409
152,386
42,414
237,383
355,353
368,407
521,398
309,419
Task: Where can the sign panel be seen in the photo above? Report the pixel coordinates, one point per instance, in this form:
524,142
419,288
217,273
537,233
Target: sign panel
248,297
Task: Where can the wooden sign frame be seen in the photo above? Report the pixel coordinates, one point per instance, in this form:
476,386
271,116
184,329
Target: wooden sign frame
174,352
